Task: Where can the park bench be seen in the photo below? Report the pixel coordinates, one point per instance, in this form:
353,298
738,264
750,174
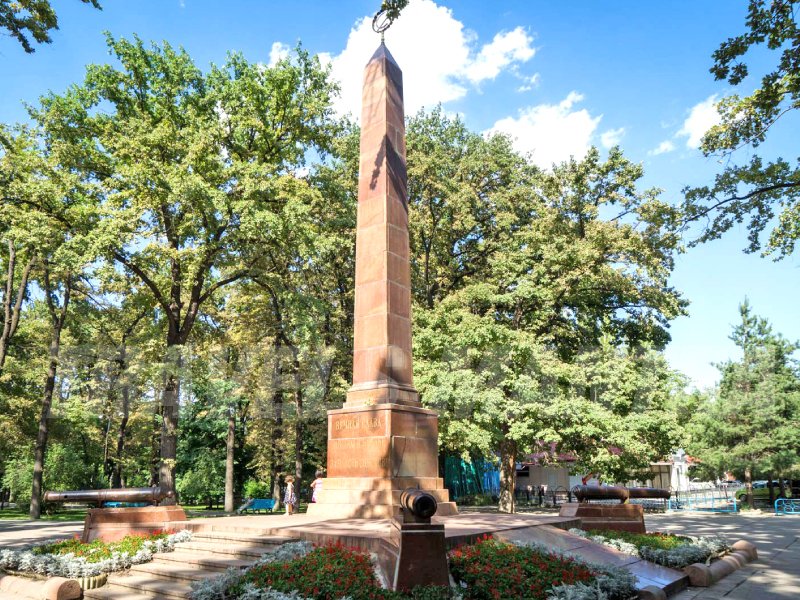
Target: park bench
257,505
787,506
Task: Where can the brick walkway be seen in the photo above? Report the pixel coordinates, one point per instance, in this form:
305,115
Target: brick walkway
776,574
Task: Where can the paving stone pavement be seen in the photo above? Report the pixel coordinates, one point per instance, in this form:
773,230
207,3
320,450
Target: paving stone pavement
19,533
776,573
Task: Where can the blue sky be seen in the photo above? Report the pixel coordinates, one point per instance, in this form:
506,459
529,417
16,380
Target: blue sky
557,76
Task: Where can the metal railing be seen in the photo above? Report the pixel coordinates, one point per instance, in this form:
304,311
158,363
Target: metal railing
709,501
787,506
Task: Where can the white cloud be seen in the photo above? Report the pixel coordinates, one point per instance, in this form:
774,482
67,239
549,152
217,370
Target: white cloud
552,132
529,82
662,148
278,52
505,49
438,56
611,137
702,117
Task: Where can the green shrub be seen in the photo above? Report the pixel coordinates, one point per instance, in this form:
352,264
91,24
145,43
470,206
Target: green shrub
253,488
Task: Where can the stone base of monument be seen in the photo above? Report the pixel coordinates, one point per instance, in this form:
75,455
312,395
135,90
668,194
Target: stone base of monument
614,517
375,497
113,524
382,538
375,452
422,555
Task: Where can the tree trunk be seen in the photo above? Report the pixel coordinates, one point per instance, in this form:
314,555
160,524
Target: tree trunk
508,475
771,487
169,424
57,318
299,425
12,305
116,476
155,441
230,447
781,486
275,451
748,483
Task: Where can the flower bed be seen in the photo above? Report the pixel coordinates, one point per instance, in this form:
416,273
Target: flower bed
74,559
492,570
675,551
485,570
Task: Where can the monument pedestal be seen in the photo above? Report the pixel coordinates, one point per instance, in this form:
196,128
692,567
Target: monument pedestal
113,524
375,452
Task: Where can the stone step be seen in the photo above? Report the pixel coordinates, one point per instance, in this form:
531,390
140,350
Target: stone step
144,584
186,572
360,496
238,537
383,483
215,563
252,551
108,593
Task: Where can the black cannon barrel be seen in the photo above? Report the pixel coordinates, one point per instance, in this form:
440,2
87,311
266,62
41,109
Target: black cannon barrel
419,503
152,495
596,492
648,492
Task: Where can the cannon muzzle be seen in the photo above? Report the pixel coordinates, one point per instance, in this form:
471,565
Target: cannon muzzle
420,504
648,492
595,492
152,495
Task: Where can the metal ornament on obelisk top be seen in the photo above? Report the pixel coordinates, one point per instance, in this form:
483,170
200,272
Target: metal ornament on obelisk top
382,441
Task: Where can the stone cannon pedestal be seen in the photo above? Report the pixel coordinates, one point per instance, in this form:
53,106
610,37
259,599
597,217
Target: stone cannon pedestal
113,524
615,517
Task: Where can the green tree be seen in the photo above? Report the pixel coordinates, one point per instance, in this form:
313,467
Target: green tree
763,192
751,425
519,274
23,19
190,174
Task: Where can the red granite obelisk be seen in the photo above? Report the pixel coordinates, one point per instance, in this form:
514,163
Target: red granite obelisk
382,442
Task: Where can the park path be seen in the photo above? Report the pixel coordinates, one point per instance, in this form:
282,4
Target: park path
776,573
23,532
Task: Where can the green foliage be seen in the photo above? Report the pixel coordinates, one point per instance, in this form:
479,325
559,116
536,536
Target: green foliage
751,424
253,488
763,192
64,470
205,478
34,18
661,541
538,318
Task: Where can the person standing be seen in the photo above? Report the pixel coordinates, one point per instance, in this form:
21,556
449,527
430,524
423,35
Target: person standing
316,486
290,498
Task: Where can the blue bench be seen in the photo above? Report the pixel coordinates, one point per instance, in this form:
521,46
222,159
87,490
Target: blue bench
258,504
787,506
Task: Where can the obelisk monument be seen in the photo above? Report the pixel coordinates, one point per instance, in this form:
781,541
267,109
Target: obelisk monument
382,441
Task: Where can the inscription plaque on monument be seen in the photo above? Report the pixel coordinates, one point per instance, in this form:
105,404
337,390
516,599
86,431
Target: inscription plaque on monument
382,441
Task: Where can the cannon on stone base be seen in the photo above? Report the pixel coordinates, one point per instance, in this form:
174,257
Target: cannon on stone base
112,524
420,546
147,495
618,517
